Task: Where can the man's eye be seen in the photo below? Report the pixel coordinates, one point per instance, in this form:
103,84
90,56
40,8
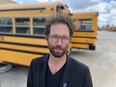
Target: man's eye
55,37
65,38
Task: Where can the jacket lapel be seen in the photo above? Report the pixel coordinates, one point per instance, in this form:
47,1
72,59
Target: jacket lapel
43,72
67,74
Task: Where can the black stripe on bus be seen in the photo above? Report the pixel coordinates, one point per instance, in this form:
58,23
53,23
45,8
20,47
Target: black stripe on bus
80,48
42,8
24,51
27,36
84,37
80,43
83,31
91,47
32,45
85,48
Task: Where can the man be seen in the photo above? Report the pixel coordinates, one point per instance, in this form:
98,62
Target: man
58,69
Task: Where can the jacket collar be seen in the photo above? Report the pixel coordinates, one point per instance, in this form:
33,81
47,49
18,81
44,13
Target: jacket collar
43,71
68,72
66,75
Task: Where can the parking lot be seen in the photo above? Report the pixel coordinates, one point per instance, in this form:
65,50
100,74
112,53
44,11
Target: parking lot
102,64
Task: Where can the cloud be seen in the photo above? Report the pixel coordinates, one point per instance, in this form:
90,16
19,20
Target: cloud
26,1
113,5
102,7
107,12
103,19
19,1
112,17
42,0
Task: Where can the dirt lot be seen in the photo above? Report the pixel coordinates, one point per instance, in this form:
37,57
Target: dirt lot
102,64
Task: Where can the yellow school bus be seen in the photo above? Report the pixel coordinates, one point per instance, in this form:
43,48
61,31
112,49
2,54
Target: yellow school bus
22,29
86,30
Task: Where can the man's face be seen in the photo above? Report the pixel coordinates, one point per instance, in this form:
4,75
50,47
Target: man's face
58,40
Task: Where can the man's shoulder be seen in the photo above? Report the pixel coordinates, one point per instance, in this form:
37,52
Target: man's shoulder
39,60
77,64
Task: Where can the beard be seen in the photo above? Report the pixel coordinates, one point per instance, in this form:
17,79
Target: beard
58,51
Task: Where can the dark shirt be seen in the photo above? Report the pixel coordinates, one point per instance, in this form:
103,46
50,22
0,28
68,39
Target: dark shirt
53,80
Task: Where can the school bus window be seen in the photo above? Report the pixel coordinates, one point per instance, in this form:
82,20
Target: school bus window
39,21
85,24
22,26
39,30
39,25
6,25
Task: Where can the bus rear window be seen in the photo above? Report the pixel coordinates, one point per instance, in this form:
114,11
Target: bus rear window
85,24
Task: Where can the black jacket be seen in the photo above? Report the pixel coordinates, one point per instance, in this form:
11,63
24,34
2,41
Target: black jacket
75,74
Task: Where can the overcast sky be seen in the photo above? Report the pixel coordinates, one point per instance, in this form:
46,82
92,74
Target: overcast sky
106,8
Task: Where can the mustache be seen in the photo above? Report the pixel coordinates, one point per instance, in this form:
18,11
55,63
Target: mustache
57,47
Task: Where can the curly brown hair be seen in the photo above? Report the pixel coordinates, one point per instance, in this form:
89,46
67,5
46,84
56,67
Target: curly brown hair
60,19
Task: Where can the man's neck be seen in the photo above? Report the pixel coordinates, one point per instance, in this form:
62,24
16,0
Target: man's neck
56,63
55,60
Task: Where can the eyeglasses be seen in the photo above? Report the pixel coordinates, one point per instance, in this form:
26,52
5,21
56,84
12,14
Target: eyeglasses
55,38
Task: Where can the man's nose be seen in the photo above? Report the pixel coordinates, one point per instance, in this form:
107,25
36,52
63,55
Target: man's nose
59,41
